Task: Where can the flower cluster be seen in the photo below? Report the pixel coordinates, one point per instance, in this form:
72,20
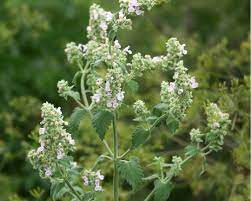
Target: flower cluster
140,109
93,179
218,123
75,53
98,23
109,93
55,141
196,136
137,7
176,165
175,51
65,90
217,128
178,94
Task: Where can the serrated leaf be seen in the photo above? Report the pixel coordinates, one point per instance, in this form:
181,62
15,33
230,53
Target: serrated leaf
132,86
139,136
159,109
162,190
56,190
131,171
74,80
172,124
101,121
75,119
191,150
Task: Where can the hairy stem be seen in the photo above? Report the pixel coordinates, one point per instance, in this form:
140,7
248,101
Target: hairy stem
115,161
72,189
148,198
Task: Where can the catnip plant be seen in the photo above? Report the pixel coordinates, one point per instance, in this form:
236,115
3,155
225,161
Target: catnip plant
105,72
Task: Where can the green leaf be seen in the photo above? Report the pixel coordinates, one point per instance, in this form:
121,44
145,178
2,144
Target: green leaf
132,86
172,124
162,190
131,171
191,150
159,109
76,76
75,119
101,121
57,190
139,136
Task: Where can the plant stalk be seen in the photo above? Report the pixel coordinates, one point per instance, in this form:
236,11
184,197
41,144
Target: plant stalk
115,160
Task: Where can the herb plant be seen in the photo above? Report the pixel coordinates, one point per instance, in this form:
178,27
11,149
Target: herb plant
106,73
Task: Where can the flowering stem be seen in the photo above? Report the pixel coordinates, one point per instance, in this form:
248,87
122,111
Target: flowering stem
115,161
72,189
68,183
83,91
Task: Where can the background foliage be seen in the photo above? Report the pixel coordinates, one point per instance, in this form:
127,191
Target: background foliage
33,35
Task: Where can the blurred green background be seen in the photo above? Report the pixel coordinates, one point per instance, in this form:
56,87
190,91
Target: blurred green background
33,34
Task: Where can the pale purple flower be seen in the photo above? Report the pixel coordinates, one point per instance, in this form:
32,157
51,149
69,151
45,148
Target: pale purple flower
171,87
120,95
85,180
99,175
107,87
109,16
112,103
98,188
60,153
193,83
103,26
41,148
134,7
47,172
96,97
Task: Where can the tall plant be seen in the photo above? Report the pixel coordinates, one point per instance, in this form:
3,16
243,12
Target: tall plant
106,74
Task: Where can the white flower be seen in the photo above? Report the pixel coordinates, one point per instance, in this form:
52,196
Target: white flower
134,7
127,50
171,87
182,49
121,15
89,29
156,59
116,44
82,48
99,81
193,83
109,16
98,188
180,91
47,172
120,95
99,175
41,131
103,26
216,125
